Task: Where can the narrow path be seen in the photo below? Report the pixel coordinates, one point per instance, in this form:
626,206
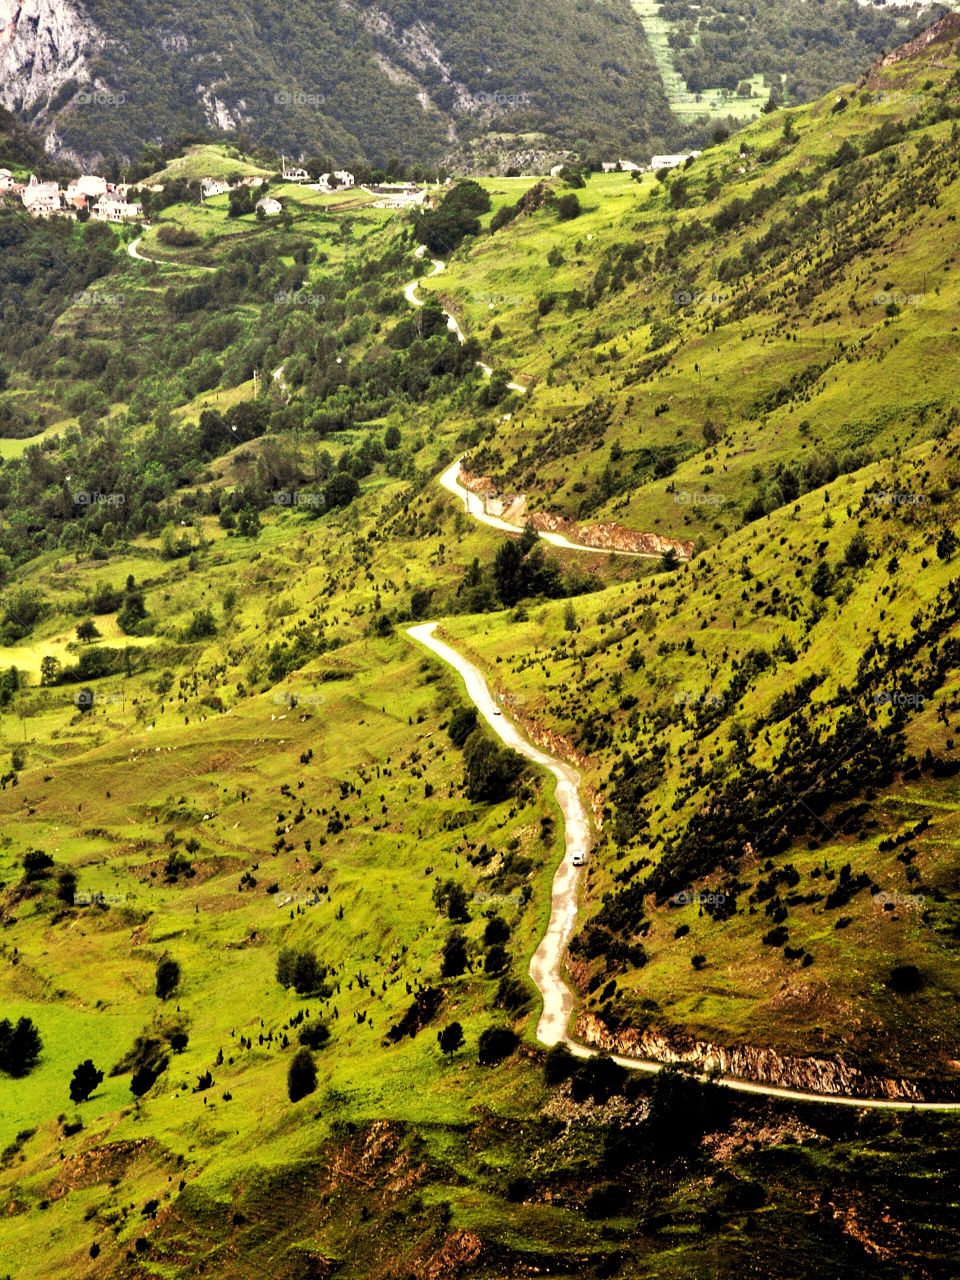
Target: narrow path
473,504
412,295
546,966
133,248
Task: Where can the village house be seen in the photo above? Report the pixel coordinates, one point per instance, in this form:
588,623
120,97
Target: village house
671,162
42,199
620,166
295,175
6,180
340,180
213,187
113,210
89,185
270,206
397,195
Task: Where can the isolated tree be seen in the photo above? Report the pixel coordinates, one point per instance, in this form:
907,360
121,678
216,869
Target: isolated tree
497,930
298,967
168,977
559,1064
88,630
51,669
496,1043
822,580
451,1039
248,522
86,1077
568,207
20,1046
142,1081
857,552
463,721
454,959
492,772
314,1034
451,896
340,490
67,886
302,1075
947,545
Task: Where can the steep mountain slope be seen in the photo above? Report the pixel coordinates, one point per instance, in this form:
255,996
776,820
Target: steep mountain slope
382,79
221,510
357,80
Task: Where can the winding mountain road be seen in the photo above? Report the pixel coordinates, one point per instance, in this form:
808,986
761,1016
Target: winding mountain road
546,965
473,504
412,295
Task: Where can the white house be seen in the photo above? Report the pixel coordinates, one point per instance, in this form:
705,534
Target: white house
42,197
6,179
295,175
213,187
270,206
621,166
344,179
115,211
89,185
397,195
671,162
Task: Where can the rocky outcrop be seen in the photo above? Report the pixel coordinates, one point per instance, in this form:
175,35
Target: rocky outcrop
612,537
44,45
604,536
460,1251
945,32
765,1066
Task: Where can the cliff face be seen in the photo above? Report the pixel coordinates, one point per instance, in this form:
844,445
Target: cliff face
946,32
44,44
818,1075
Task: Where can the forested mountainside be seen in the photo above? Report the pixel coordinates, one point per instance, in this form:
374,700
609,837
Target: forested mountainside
382,80
270,885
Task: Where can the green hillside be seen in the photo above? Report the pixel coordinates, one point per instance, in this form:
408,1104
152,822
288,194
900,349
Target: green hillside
259,861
